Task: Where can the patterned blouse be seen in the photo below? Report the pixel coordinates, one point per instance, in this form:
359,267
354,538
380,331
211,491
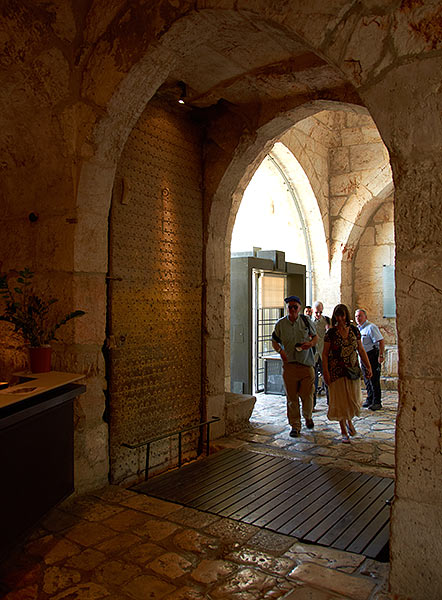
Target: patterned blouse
343,351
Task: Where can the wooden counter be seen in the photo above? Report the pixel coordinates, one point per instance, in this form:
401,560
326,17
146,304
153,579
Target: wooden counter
36,450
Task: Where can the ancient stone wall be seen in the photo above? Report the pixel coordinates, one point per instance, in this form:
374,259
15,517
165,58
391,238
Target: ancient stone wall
359,174
376,248
155,291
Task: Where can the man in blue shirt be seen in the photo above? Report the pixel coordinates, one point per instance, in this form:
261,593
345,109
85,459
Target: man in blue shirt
294,338
374,345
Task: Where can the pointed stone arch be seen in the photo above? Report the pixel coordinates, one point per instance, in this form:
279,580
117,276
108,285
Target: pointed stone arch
314,223
224,205
354,231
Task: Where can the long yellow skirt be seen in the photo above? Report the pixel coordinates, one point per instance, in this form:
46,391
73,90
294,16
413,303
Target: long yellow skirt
345,399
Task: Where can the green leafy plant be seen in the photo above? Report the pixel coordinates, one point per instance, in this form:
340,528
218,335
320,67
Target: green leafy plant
28,312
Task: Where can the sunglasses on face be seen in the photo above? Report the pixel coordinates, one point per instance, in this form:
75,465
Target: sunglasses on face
295,306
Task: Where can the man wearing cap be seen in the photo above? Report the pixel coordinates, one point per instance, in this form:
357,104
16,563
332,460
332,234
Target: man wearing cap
374,345
294,338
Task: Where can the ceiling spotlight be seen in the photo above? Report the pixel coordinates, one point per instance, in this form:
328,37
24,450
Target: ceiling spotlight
182,87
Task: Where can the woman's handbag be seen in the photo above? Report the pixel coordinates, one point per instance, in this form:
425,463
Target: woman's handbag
353,372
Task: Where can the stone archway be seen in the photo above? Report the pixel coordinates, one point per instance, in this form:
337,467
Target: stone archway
225,203
100,153
314,222
339,227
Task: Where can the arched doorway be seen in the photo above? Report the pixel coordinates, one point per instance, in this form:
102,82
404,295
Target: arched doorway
345,175
269,226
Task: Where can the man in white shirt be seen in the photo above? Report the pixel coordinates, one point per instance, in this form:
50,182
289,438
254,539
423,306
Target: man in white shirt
374,345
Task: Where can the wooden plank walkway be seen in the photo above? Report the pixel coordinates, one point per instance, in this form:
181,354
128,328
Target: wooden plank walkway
317,504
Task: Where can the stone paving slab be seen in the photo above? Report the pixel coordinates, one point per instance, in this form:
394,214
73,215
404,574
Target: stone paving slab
331,558
309,593
349,586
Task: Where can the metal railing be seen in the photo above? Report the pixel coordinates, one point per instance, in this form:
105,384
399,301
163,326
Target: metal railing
179,433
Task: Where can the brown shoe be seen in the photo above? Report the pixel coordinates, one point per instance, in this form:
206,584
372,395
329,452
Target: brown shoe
309,423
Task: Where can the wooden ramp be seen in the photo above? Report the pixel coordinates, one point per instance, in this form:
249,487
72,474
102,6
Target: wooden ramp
316,504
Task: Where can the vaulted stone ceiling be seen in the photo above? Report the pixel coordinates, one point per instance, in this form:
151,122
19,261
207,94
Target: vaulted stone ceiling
248,63
64,62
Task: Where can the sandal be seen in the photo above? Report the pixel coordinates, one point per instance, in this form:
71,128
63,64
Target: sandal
351,429
345,439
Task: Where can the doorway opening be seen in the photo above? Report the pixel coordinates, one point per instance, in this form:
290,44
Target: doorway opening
270,259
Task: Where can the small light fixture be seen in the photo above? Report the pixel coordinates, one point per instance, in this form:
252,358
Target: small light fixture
182,87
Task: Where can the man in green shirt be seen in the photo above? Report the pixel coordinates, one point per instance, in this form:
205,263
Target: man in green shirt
294,338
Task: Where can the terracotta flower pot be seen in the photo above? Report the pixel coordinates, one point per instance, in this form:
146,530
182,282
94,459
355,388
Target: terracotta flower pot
40,359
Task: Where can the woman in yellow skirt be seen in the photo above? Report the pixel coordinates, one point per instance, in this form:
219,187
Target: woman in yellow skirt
341,372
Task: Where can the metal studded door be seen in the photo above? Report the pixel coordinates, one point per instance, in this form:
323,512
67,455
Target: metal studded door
154,290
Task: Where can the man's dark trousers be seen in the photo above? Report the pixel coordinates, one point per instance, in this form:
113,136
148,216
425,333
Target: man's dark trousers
373,385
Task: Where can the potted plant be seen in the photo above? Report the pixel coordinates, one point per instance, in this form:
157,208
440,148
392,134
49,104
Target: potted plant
30,315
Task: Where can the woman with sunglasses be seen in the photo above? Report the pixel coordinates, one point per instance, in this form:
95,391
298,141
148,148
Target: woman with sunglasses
341,372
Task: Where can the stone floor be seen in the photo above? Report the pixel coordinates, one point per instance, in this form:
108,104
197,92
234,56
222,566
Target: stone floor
370,451
119,545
